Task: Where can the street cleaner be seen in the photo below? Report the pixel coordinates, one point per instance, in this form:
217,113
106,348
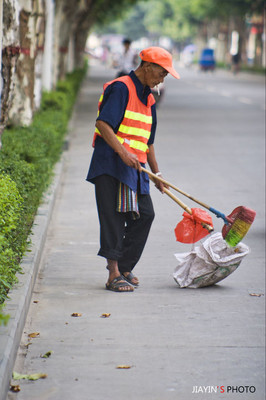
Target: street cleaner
123,142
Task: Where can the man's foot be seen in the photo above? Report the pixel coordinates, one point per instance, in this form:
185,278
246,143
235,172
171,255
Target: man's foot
130,278
119,285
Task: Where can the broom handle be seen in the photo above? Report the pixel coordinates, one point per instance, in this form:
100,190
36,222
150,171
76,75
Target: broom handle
181,204
213,210
154,176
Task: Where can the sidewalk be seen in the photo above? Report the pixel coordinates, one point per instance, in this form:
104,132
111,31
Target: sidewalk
174,341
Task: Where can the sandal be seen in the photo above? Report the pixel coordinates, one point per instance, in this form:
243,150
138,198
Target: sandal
129,278
117,284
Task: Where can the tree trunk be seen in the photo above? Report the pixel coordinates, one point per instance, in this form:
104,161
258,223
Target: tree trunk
237,23
201,38
80,42
22,109
40,32
49,58
75,22
10,53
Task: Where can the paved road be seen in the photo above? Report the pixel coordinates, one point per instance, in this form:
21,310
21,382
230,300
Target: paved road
210,143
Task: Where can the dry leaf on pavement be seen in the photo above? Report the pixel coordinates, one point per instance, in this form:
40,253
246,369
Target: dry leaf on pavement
15,388
34,334
46,355
31,377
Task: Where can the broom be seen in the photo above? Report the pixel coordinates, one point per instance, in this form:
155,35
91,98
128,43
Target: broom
237,223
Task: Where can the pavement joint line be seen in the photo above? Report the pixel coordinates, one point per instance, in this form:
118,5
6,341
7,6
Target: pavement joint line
20,295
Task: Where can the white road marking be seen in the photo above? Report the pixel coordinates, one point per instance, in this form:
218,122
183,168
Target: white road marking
211,89
225,93
244,100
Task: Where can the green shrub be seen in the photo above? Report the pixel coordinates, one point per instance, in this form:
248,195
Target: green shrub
10,209
3,318
54,100
27,159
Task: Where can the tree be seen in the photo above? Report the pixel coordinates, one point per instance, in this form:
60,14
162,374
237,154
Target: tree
232,14
31,15
194,20
154,18
42,41
75,21
10,53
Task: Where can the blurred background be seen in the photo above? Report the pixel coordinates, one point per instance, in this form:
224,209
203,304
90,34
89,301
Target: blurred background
213,119
233,30
42,40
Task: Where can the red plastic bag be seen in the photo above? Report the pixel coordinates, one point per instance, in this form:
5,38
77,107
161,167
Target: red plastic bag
190,230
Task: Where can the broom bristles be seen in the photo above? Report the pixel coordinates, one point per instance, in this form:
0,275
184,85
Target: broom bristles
242,218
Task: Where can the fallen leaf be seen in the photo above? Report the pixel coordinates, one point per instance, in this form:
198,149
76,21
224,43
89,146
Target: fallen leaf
46,355
105,315
256,294
31,377
15,388
123,367
75,314
34,334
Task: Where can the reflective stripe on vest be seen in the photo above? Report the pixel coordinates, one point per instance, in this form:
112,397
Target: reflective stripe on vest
134,144
135,128
129,130
138,117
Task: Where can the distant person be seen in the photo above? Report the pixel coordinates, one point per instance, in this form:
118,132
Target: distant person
236,63
123,143
129,59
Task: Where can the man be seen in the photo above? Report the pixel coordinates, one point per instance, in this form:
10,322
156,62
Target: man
128,59
123,142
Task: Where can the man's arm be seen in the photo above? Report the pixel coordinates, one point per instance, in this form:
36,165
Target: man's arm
152,159
154,167
110,137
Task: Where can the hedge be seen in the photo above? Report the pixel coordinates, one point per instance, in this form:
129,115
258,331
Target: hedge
27,159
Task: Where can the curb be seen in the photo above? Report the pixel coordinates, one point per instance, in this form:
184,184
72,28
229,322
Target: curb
20,295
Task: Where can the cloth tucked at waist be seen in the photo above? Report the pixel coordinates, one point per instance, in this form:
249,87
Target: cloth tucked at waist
127,201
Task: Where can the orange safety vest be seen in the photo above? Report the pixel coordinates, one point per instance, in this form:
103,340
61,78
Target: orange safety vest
135,128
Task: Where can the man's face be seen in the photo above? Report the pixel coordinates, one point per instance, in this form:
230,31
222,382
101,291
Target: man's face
155,75
126,46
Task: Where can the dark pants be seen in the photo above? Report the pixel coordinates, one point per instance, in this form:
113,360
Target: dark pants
121,238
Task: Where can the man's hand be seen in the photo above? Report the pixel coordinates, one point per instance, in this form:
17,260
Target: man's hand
130,159
160,185
110,137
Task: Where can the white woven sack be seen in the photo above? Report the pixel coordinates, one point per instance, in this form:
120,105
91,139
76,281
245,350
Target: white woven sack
209,263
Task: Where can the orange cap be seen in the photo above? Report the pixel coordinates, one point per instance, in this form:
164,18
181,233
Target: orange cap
160,56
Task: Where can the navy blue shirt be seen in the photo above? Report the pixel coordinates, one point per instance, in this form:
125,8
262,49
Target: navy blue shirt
104,159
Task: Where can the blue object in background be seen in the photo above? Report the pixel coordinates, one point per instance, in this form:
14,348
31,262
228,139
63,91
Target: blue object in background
207,60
